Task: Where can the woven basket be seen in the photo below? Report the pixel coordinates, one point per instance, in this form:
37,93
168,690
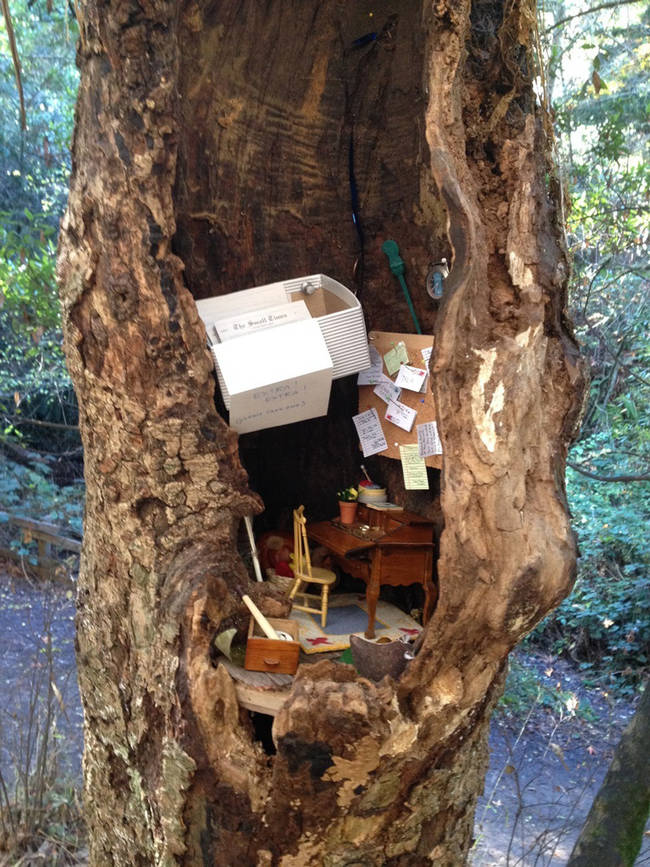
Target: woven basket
282,582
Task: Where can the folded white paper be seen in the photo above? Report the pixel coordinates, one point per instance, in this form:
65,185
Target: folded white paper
244,301
276,376
230,327
370,433
401,415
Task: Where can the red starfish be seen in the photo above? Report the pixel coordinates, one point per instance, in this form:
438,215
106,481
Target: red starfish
315,641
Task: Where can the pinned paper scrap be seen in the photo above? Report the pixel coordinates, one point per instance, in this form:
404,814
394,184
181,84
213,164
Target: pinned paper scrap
401,415
370,433
373,374
395,357
412,378
387,390
426,354
413,468
428,439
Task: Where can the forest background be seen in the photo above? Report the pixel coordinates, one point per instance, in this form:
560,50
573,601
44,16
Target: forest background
596,88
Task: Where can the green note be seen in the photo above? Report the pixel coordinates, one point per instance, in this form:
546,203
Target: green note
395,357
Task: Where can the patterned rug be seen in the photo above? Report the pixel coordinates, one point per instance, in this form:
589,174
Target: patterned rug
348,614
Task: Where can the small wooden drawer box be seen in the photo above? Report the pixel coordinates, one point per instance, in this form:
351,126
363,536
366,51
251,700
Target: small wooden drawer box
265,654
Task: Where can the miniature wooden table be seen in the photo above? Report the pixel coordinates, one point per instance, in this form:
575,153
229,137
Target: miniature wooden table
396,549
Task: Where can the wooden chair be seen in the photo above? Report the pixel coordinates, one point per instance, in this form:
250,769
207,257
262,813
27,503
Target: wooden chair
305,573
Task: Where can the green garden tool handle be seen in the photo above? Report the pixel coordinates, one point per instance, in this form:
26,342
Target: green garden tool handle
396,264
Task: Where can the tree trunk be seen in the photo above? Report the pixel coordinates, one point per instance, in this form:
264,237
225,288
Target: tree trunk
216,147
613,833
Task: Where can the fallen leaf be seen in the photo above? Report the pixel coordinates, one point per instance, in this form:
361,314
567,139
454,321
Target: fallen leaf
557,750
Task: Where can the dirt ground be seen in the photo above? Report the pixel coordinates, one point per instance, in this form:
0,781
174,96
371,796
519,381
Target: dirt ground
545,768
546,764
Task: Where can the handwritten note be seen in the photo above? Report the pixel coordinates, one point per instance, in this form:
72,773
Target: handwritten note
395,357
369,432
414,469
428,439
373,374
426,354
401,415
387,390
411,378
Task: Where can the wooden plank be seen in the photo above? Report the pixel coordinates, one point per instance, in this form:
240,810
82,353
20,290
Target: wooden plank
51,570
268,701
49,533
383,341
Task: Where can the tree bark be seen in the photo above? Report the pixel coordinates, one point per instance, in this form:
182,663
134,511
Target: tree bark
613,833
212,151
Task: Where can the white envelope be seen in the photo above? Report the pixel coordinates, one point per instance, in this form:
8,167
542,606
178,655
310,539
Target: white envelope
401,415
411,378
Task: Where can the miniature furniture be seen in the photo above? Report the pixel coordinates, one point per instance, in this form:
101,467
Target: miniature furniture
266,654
383,548
305,573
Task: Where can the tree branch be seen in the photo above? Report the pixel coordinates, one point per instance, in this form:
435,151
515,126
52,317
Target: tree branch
14,54
17,420
641,477
611,5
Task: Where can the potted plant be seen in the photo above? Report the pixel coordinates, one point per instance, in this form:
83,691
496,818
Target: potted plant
347,498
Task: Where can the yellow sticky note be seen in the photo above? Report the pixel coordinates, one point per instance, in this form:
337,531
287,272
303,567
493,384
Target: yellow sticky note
414,469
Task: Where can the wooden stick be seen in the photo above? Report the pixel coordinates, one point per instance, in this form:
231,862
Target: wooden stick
251,541
261,620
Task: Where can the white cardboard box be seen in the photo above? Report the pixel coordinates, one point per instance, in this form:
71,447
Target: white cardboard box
290,352
276,376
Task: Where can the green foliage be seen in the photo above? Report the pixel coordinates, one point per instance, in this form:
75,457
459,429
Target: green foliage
601,88
605,623
33,494
34,384
27,278
34,169
35,163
